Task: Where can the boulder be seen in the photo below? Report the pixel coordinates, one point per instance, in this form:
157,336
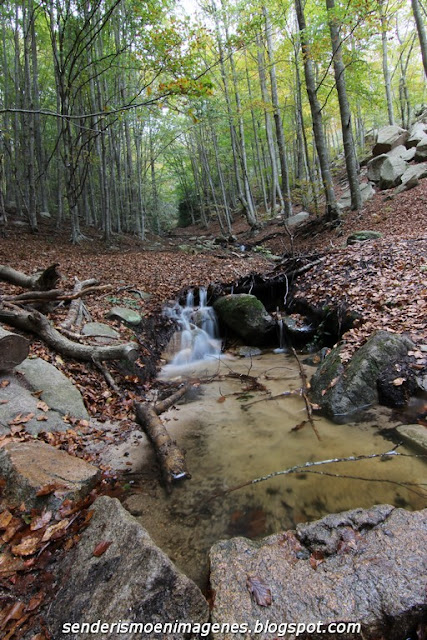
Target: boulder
297,219
19,411
366,192
362,236
415,435
100,330
298,327
365,566
344,391
57,390
247,317
391,172
123,314
133,581
374,167
388,138
249,352
30,466
421,150
412,176
417,132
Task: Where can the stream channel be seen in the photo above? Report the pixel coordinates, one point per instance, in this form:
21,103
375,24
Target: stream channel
228,441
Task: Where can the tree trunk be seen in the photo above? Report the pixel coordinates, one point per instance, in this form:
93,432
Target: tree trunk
286,191
421,32
351,163
386,71
13,349
316,115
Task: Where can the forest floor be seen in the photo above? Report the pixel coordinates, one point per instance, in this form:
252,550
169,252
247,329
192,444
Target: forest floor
383,280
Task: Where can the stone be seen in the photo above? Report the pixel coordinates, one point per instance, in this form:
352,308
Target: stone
366,191
391,172
374,167
132,581
369,567
249,352
363,236
415,435
247,317
298,327
417,133
19,402
408,155
421,150
29,466
297,219
345,391
416,171
99,329
388,138
57,390
123,314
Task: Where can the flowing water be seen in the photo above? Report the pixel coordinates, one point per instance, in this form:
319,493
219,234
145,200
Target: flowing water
232,433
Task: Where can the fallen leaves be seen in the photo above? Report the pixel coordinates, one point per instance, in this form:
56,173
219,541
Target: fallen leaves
101,548
259,590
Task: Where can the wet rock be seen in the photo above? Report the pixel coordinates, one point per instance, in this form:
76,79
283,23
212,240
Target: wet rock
415,435
391,172
362,236
368,566
133,581
396,384
247,317
342,391
298,327
421,150
388,138
249,352
57,390
29,466
123,314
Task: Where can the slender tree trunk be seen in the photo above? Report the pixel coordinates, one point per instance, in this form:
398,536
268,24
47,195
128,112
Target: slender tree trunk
421,31
351,163
280,137
316,115
386,70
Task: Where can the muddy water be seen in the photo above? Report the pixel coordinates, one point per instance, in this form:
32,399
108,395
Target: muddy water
228,443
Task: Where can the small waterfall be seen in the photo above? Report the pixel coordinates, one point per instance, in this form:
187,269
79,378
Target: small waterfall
282,341
198,329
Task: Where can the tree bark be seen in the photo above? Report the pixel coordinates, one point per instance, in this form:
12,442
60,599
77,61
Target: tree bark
421,32
170,457
13,349
316,115
351,162
36,322
40,281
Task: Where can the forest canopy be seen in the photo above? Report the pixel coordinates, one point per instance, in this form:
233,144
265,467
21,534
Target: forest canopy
129,116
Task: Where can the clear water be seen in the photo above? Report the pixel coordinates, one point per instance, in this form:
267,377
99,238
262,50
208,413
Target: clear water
227,445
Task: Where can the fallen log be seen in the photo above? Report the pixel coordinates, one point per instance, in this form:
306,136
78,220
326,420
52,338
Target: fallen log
36,322
74,312
40,281
164,405
169,455
13,349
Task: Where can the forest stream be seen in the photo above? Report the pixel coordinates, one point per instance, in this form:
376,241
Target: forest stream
227,444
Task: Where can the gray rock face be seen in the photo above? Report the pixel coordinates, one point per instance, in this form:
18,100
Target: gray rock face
374,167
58,391
417,132
249,352
362,236
18,403
247,317
412,176
421,150
29,466
366,192
133,581
391,172
123,314
298,218
351,389
370,568
99,329
388,138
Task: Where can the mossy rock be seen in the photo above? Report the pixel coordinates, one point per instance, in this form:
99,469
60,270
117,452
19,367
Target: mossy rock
363,236
247,317
344,392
